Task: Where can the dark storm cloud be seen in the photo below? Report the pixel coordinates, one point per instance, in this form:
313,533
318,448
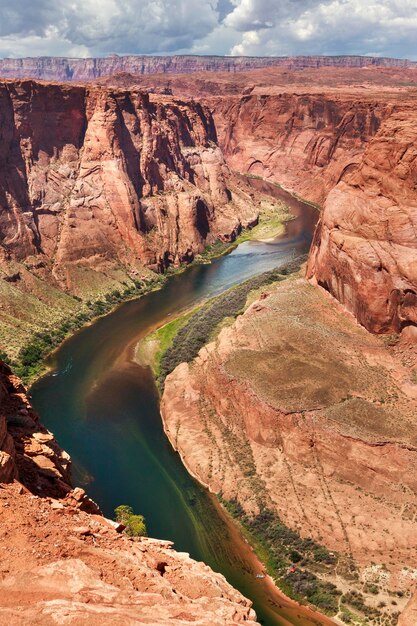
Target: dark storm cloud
22,17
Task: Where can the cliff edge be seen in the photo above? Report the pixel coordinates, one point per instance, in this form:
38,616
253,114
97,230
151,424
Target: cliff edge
65,563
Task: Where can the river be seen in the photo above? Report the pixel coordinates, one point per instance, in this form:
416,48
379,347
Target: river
104,410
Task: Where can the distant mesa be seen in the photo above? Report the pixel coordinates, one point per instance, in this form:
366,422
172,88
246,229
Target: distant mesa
72,69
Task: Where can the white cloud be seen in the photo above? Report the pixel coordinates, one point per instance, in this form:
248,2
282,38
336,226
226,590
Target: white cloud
387,27
238,27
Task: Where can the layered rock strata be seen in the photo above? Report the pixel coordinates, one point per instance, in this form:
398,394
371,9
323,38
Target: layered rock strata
99,179
357,158
28,452
307,142
297,408
365,247
64,565
64,69
98,187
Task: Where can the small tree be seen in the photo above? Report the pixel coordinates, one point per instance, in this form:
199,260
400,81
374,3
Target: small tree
135,524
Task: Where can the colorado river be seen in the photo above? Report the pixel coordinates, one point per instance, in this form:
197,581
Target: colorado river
104,410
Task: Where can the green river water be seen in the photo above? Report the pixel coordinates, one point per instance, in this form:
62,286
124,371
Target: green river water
104,410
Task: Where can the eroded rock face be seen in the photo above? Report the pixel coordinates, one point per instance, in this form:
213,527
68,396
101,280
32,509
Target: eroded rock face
28,451
305,142
100,180
295,407
64,69
365,247
356,157
64,565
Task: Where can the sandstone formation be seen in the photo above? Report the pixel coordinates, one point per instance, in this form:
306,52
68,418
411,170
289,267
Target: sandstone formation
62,562
67,566
98,187
101,179
357,157
64,69
306,142
296,408
365,247
27,450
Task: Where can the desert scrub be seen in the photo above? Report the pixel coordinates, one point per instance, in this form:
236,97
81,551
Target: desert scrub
192,336
284,547
29,363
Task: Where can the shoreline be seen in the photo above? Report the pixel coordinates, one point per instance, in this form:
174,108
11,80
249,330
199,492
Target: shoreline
273,592
204,258
293,194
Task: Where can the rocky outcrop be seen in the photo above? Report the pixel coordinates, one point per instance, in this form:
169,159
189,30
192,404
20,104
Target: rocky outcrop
64,69
305,142
298,409
64,562
365,247
67,566
100,180
28,452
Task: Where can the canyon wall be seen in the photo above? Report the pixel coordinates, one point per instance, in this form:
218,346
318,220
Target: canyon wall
28,452
106,179
356,157
67,563
295,408
365,247
98,187
101,184
66,69
306,142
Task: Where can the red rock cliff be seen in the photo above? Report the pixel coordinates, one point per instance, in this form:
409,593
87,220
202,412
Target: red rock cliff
357,157
28,452
64,69
303,141
105,180
62,561
365,247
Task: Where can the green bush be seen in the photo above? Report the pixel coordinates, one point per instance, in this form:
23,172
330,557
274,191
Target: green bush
135,524
284,547
191,337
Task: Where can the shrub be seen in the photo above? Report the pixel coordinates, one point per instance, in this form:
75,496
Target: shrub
135,524
285,546
191,337
3,356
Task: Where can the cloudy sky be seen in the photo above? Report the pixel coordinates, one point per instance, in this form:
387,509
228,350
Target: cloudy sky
232,27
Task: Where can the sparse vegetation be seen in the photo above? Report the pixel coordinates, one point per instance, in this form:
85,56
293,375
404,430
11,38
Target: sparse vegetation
192,336
135,524
29,362
281,545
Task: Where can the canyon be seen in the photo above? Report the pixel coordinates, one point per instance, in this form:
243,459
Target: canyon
98,188
342,138
294,408
297,406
